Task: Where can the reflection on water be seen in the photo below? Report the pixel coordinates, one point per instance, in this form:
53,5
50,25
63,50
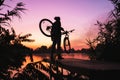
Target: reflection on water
36,58
39,57
76,56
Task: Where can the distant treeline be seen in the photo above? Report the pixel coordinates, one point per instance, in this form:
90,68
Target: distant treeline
45,49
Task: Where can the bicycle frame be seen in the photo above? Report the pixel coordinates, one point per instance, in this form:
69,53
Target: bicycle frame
66,41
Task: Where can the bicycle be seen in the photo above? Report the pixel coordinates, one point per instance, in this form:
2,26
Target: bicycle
45,26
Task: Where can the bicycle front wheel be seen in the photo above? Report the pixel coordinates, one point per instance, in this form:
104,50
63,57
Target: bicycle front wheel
45,26
67,46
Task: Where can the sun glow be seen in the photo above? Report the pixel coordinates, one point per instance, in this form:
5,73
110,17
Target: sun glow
75,14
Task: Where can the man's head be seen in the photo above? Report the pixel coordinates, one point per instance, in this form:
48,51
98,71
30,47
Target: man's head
57,18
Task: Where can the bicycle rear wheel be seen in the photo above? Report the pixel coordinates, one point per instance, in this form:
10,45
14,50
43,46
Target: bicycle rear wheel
66,44
45,26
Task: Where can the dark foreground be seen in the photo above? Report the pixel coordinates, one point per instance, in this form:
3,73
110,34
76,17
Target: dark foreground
95,70
70,69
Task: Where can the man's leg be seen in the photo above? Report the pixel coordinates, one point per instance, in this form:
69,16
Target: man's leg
53,50
59,49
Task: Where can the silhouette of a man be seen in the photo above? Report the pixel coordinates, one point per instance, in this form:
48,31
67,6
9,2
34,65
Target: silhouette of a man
56,37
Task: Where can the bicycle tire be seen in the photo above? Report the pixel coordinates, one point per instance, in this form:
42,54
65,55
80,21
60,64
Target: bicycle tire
66,44
41,27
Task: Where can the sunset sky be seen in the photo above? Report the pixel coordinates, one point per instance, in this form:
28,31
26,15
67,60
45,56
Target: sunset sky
80,15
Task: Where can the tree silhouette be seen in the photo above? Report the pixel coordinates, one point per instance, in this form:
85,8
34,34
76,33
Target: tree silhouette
12,52
108,39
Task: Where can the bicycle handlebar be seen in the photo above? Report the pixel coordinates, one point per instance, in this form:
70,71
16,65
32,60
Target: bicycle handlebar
66,32
72,30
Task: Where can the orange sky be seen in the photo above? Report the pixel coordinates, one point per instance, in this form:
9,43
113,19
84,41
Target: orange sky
80,15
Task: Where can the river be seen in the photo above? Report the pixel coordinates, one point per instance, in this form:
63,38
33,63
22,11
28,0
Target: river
39,57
